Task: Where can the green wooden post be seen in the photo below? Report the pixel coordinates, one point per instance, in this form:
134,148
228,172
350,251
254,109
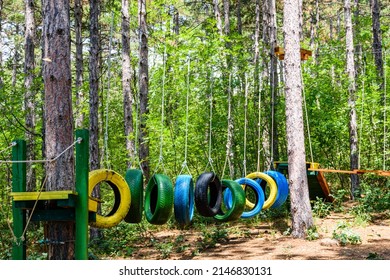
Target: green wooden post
19,185
82,169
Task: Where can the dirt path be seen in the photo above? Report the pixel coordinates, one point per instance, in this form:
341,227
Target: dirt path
267,241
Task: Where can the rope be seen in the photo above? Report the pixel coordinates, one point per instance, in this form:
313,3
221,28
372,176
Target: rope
362,111
184,165
78,141
106,151
9,147
384,112
272,112
228,128
161,158
135,155
245,122
210,160
259,124
307,119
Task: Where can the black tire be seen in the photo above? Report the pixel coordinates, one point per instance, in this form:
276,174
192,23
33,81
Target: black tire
238,205
158,199
208,194
134,179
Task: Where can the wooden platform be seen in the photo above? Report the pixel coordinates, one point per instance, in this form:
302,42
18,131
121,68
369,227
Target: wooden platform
318,186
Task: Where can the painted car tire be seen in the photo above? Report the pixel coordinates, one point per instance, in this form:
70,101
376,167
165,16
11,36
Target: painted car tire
158,199
257,206
183,203
238,202
208,194
281,183
134,179
121,192
272,185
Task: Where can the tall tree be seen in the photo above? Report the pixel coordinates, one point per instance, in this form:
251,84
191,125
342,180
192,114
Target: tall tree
299,193
143,88
377,39
217,14
30,92
1,53
228,88
126,80
94,70
78,18
353,133
59,118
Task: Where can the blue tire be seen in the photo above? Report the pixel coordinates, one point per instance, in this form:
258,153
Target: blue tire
184,199
281,183
259,193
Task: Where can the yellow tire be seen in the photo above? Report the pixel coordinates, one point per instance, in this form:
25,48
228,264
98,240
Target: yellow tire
119,186
272,186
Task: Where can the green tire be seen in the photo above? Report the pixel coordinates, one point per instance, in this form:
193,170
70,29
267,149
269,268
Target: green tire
134,179
158,199
238,202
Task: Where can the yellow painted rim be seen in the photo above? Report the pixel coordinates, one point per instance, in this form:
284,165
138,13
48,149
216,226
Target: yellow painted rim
106,175
272,186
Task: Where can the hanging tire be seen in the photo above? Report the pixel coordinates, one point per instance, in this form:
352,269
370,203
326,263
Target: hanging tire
208,194
259,194
134,179
238,202
282,186
272,186
121,193
183,204
158,199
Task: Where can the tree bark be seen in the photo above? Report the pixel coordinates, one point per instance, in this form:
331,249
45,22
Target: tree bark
299,192
78,17
94,70
239,20
30,92
143,88
218,18
353,133
377,40
1,47
59,118
126,82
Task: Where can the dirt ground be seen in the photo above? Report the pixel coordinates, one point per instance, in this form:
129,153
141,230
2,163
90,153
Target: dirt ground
267,242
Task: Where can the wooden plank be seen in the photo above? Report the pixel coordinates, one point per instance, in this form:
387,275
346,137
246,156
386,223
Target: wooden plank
332,170
52,195
305,54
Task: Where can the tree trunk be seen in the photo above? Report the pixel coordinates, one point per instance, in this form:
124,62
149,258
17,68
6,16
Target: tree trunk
143,88
218,18
94,70
126,81
59,118
353,134
30,93
299,192
1,45
15,59
239,20
377,40
94,73
78,17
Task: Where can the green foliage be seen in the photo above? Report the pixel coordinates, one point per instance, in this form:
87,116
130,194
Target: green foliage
345,235
312,234
320,208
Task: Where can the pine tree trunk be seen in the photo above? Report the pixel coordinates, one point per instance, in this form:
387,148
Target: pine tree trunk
78,17
94,70
353,135
126,81
59,118
143,88
30,93
1,47
239,20
377,40
218,18
15,60
299,193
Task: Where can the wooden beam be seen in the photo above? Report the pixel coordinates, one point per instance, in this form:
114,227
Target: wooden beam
305,54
